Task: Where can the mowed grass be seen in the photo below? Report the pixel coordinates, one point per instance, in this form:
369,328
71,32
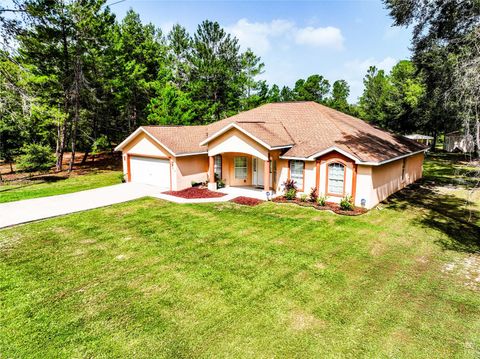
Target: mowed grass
54,185
150,278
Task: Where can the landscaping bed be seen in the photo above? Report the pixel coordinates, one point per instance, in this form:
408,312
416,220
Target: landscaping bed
247,201
195,192
329,206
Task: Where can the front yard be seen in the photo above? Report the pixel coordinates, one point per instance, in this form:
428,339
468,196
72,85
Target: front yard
155,279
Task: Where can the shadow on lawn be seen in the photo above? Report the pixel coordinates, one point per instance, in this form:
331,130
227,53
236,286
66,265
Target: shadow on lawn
33,181
444,212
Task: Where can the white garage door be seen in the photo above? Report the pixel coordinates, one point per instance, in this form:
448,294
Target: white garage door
150,171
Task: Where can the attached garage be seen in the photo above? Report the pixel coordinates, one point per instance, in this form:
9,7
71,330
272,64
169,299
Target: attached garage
160,156
149,170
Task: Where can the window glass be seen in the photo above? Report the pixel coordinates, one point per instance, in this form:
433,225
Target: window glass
296,173
240,167
336,177
218,166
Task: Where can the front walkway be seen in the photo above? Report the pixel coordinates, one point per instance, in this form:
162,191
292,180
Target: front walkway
29,210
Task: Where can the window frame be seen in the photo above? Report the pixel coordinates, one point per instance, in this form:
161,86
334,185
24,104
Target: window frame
300,189
344,165
235,168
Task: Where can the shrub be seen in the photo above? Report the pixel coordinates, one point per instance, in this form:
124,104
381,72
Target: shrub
313,194
290,184
303,198
290,189
220,182
321,200
291,194
35,157
346,203
100,145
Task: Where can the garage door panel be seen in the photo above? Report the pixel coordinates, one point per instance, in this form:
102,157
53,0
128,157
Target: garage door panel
152,171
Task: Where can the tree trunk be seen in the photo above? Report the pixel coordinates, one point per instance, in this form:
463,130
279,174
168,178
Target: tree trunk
85,157
11,167
76,97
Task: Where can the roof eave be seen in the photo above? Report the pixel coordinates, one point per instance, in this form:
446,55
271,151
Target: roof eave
135,134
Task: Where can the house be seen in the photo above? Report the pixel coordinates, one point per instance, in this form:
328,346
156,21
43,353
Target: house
310,143
458,141
423,139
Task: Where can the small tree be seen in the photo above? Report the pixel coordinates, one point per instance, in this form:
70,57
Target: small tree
35,157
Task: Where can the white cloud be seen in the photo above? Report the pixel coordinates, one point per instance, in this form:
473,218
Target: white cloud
320,37
259,35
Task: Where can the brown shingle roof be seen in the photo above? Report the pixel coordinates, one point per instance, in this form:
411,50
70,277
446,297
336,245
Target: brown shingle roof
180,139
308,126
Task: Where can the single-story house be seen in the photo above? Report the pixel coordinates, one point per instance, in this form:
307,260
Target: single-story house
423,139
310,143
458,141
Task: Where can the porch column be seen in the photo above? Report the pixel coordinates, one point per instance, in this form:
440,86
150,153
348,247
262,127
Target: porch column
212,185
266,175
211,169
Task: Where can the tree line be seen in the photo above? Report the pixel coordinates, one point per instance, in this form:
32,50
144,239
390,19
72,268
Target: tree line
74,78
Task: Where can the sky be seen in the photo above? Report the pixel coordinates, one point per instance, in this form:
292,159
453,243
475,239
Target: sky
337,39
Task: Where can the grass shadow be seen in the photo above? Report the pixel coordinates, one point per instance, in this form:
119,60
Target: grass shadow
447,213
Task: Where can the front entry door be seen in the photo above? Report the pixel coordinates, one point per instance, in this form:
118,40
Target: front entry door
257,176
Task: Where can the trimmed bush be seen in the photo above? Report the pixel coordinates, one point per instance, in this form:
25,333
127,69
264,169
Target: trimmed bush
35,157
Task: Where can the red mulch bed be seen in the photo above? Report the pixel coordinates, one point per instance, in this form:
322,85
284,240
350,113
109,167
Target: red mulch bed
195,192
247,201
329,206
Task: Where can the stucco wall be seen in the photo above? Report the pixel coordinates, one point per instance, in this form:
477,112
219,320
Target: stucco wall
236,141
188,169
386,179
228,169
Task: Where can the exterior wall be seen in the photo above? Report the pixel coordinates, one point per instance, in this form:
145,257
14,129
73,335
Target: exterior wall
142,145
228,169
236,141
386,179
187,169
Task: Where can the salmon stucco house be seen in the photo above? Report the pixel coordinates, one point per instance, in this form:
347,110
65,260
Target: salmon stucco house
261,148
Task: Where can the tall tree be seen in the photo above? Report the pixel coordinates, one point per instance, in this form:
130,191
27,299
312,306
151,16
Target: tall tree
339,98
446,48
375,94
216,68
315,88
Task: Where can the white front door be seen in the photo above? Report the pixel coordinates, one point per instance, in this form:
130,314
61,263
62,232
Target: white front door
150,171
258,170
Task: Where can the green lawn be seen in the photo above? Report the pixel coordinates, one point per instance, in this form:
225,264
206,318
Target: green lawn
156,279
52,185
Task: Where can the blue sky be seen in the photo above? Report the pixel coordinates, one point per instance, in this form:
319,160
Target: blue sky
336,39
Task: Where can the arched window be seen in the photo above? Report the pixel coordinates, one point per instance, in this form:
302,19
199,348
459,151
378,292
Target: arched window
336,178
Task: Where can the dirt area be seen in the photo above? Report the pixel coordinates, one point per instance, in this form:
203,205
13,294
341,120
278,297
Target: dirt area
104,161
466,269
195,192
247,201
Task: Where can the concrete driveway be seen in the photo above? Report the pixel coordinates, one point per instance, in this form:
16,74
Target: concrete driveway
28,210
